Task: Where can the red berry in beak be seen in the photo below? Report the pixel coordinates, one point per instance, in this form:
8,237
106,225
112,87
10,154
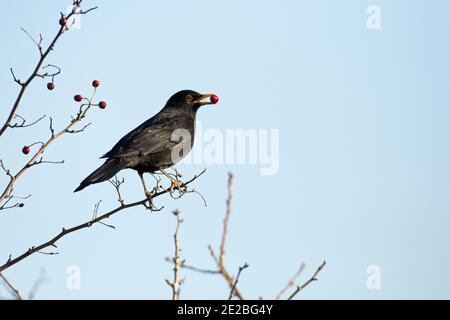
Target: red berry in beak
95,83
102,104
78,98
50,86
62,21
214,99
26,150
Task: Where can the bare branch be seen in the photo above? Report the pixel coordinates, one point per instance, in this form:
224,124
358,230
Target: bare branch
88,10
37,284
23,124
291,282
79,130
44,145
312,279
96,207
4,206
232,291
116,184
10,287
38,44
177,281
17,80
220,260
64,232
49,74
192,268
41,161
227,218
8,173
35,72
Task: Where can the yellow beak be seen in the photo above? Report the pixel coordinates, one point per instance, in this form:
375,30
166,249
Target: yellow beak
204,96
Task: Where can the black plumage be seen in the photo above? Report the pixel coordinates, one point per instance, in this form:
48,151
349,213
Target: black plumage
156,144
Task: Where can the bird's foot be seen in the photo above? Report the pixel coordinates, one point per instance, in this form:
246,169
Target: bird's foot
150,205
178,185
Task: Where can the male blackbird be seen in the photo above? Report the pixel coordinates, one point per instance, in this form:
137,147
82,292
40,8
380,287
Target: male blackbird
156,144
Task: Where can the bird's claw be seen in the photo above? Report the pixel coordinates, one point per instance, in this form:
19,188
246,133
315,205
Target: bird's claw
177,185
150,205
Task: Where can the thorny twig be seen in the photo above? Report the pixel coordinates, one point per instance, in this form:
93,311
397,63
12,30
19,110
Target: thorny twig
177,281
64,232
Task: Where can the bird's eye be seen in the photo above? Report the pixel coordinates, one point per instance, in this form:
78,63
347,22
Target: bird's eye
189,98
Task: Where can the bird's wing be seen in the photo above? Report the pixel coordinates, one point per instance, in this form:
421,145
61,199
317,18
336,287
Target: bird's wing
152,136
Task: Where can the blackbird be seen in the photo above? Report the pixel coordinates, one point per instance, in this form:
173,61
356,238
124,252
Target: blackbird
156,144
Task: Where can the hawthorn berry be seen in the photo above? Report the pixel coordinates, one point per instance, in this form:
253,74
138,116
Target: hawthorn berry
214,99
78,98
102,104
95,83
62,21
50,86
26,150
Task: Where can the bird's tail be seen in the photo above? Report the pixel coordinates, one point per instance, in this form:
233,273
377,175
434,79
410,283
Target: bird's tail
104,172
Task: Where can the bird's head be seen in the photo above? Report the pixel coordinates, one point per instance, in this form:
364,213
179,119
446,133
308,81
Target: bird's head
192,99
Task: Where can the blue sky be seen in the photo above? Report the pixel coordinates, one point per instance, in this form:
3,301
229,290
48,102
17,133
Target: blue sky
364,158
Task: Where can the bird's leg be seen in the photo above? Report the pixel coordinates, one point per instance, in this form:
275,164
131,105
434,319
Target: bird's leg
174,183
157,186
147,193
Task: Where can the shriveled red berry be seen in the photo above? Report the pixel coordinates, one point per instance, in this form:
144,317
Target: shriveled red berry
50,86
102,104
62,21
78,98
26,150
95,83
214,99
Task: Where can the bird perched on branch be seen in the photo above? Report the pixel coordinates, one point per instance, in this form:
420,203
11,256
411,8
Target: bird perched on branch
156,144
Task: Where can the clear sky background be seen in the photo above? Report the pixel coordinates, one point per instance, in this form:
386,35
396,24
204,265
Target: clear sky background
363,116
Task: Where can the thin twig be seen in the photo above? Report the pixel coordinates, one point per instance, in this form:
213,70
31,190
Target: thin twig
23,125
38,44
312,279
237,280
4,206
192,268
37,284
10,287
291,282
116,184
227,218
